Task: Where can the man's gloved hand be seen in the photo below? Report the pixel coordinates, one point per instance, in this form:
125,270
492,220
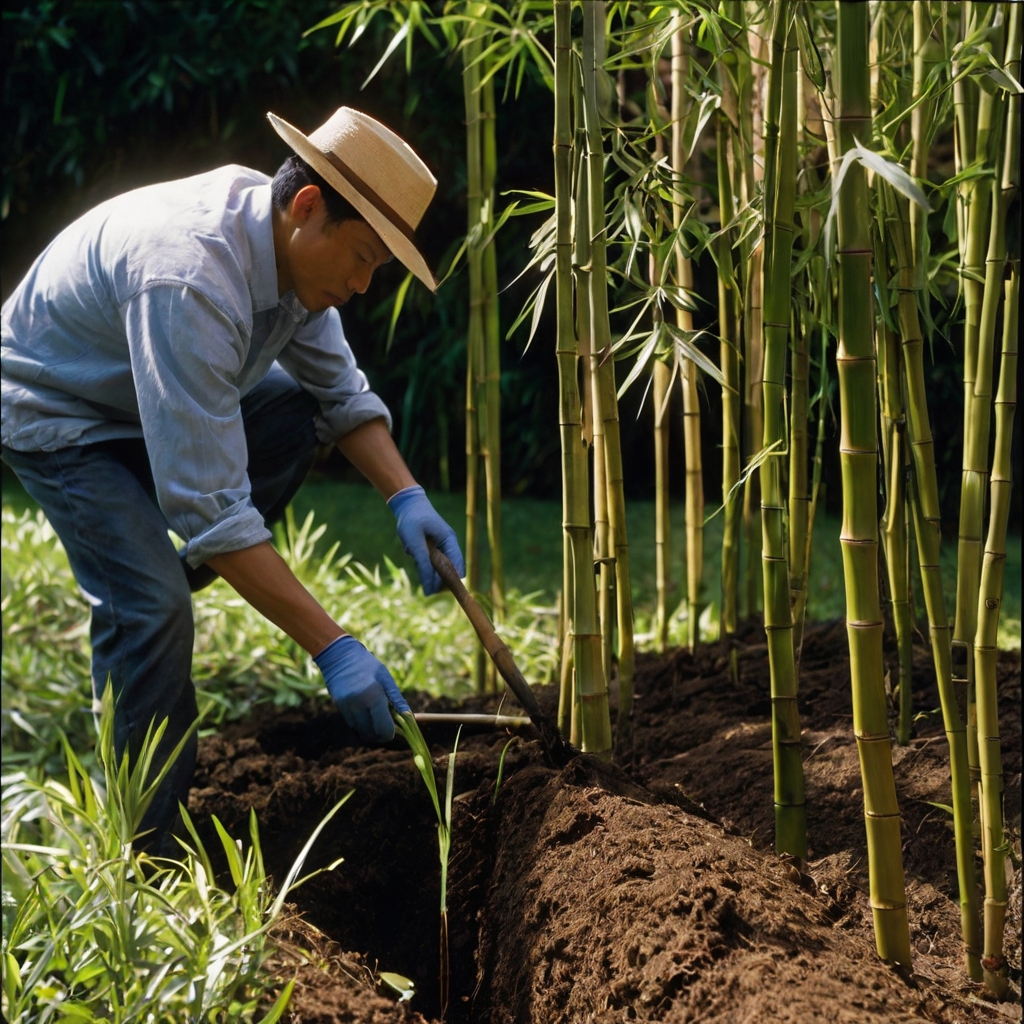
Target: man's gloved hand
418,521
361,687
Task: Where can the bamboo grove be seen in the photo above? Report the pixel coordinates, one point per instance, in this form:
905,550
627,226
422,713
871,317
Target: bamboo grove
848,171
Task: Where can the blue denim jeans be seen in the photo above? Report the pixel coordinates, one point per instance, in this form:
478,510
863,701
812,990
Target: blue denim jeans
101,501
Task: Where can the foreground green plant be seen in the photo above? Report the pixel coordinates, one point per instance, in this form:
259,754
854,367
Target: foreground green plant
421,757
95,931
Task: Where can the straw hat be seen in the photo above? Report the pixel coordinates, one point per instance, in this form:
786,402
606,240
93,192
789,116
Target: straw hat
377,172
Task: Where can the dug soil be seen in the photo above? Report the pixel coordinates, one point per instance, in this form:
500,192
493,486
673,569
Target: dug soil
643,890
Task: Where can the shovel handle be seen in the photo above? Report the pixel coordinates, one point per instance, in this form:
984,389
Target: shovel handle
555,744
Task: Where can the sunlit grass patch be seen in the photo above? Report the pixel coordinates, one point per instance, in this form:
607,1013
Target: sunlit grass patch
240,658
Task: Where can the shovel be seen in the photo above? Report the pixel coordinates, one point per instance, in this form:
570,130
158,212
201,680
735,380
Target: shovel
558,750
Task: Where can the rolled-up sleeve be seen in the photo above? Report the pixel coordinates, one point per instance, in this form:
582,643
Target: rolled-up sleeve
318,357
186,355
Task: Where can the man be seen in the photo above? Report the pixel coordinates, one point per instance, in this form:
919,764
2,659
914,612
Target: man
172,360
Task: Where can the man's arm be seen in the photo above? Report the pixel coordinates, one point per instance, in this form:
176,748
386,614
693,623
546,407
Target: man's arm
371,449
359,684
261,576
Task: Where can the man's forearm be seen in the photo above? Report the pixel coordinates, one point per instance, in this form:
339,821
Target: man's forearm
371,449
261,576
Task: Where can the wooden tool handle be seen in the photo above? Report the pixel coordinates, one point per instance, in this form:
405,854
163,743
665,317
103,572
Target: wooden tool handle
556,746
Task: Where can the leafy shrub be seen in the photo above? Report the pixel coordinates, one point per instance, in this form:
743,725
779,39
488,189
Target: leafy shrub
94,931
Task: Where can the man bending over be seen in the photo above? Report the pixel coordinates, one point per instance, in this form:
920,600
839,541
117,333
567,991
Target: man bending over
172,360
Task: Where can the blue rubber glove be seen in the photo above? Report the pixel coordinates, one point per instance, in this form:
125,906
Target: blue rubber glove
361,687
418,521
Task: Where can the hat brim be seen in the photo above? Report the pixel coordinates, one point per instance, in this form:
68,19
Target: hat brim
404,250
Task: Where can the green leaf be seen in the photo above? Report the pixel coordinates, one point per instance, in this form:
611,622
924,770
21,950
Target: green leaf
809,55
280,1005
895,175
290,879
403,987
230,850
644,358
1005,80
396,41
396,309
12,975
686,349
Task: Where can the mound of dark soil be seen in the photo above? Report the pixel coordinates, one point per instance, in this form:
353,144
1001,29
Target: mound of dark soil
643,890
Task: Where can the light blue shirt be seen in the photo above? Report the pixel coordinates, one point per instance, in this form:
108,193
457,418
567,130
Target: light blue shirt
151,316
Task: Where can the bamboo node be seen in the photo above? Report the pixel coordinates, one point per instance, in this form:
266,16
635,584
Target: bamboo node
888,905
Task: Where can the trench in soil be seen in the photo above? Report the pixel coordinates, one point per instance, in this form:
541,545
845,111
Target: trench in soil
644,890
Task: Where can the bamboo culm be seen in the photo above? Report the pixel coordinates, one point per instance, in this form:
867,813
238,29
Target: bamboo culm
990,596
591,689
926,519
475,331
859,464
982,127
780,127
605,398
728,326
490,442
687,370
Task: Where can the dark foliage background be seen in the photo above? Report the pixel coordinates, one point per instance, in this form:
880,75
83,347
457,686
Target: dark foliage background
101,96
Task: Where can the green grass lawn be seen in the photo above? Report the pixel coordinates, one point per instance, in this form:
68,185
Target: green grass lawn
532,544
358,519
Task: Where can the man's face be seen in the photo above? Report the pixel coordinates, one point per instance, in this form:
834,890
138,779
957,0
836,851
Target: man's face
326,264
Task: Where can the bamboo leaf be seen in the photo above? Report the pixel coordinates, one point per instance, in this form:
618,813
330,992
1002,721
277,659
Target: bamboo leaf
1005,80
709,103
396,308
752,467
644,358
280,1004
887,169
290,879
685,347
809,55
538,306
894,174
396,41
230,850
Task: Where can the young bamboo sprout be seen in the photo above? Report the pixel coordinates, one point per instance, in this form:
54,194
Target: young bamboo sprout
590,357
661,395
894,521
421,758
895,540
859,461
753,318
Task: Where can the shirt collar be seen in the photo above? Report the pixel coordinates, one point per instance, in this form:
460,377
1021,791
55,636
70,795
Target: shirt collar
259,226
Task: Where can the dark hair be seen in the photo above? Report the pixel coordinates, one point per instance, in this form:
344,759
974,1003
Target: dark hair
295,174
